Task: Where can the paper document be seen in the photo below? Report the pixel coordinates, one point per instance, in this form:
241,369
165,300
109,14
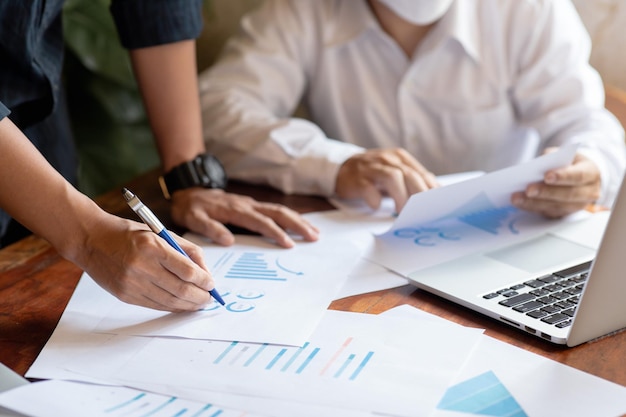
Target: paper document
348,362
56,398
272,295
358,228
501,380
463,218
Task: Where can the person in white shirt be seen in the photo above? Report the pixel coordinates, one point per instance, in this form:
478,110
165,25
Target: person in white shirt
399,91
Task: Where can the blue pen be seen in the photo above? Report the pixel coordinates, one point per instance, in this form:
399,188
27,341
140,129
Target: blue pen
157,227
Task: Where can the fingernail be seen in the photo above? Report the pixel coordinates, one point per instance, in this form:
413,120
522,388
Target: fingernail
225,239
288,242
532,192
550,178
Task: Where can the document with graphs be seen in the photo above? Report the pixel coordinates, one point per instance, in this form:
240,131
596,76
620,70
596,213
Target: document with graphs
272,294
449,222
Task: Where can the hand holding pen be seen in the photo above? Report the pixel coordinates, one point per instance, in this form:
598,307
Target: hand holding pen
148,217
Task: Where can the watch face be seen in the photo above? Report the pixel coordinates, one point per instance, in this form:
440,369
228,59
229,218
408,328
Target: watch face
214,170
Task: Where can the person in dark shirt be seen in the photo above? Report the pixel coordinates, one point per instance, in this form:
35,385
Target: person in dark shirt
38,162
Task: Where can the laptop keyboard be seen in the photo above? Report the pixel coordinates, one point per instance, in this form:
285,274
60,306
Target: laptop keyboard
551,298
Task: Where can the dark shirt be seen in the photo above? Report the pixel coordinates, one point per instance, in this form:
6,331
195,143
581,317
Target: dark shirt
31,60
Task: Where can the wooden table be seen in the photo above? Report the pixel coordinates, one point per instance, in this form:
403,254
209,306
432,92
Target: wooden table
36,284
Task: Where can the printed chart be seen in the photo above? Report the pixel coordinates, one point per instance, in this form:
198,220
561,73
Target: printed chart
345,363
341,364
73,399
258,285
483,395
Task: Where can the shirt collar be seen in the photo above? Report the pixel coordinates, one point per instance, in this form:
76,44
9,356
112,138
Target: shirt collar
460,23
354,18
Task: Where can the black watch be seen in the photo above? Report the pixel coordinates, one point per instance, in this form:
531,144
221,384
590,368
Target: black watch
202,171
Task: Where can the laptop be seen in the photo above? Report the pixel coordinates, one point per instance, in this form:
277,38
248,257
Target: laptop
567,286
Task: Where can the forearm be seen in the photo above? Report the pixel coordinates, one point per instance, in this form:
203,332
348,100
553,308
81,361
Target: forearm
167,77
37,196
292,155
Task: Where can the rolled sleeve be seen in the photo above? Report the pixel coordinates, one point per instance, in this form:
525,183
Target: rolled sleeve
144,23
4,111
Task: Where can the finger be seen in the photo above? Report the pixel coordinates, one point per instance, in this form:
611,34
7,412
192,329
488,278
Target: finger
160,289
193,251
390,181
200,221
417,182
427,178
566,194
258,222
546,208
582,171
289,220
161,299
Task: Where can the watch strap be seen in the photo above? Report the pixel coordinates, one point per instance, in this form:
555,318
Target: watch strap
194,173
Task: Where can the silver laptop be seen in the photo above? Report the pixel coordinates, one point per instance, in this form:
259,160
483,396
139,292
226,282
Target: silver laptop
564,286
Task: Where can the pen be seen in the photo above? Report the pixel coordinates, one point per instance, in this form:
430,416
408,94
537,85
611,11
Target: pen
148,217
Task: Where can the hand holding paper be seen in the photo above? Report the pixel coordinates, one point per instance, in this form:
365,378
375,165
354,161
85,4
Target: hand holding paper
563,190
462,218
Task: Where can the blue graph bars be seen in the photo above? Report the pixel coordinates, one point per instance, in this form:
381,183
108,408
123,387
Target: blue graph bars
296,360
143,405
252,265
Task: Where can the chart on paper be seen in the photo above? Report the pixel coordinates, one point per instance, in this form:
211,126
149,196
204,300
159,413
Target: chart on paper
254,266
342,363
477,215
72,399
258,284
482,395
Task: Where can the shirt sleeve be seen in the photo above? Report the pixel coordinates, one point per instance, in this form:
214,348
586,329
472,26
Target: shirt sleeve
249,96
4,111
144,23
562,96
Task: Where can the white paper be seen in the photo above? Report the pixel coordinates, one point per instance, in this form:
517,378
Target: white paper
354,361
358,228
509,381
387,205
55,398
272,295
463,218
358,223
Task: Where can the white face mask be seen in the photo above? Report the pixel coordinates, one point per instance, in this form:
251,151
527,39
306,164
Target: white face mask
419,12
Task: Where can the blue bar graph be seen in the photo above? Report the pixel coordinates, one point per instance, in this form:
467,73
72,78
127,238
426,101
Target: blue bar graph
307,361
483,395
255,355
252,265
225,352
293,357
143,405
276,358
361,366
340,363
125,404
345,365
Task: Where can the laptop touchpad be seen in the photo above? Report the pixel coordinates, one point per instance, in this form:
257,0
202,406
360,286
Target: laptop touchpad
541,253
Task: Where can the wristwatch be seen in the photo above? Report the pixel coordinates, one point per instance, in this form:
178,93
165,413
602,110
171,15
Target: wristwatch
202,171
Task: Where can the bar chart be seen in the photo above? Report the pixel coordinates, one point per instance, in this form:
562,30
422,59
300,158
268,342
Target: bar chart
340,362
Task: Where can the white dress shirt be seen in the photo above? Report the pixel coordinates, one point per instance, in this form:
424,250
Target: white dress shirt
492,84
